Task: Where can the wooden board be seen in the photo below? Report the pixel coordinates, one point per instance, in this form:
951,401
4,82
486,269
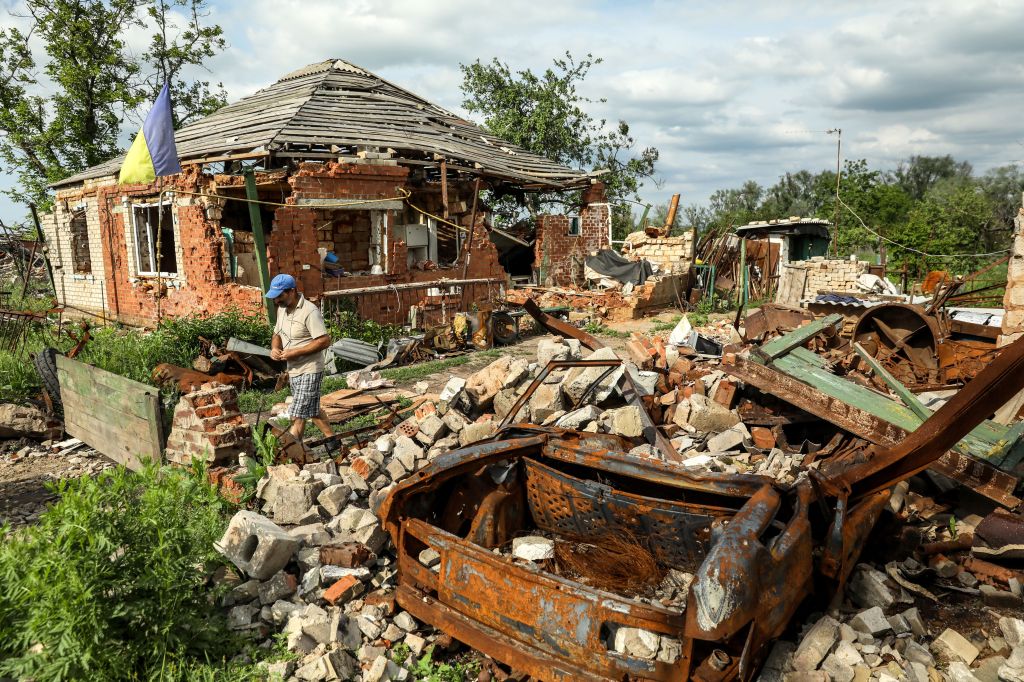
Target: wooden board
117,416
791,285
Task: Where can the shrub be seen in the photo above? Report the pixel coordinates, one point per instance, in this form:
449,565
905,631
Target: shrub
111,584
345,324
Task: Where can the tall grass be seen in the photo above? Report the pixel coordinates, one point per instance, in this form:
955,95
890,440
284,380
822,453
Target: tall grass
133,353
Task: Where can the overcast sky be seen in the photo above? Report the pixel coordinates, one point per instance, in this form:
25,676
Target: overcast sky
727,91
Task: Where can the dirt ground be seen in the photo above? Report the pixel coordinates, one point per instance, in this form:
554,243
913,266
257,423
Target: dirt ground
27,467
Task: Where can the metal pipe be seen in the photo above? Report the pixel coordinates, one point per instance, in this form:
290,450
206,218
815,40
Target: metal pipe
440,283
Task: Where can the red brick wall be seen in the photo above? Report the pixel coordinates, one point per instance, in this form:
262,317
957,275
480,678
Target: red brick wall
292,242
560,256
205,290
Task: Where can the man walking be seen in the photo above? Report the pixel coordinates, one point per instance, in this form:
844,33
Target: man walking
300,339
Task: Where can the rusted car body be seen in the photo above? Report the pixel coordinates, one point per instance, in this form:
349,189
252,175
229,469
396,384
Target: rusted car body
757,550
748,542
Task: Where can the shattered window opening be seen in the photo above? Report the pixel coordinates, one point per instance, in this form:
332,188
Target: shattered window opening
145,224
574,226
80,254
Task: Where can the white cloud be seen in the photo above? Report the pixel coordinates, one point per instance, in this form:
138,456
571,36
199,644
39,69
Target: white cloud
727,91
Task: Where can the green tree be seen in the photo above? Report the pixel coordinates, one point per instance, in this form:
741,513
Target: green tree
918,174
68,82
181,40
546,114
1003,186
90,73
945,223
795,194
735,207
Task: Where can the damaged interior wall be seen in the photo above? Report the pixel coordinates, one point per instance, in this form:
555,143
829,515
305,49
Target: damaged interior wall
564,242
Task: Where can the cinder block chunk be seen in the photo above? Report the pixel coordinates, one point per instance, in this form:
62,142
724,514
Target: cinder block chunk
256,545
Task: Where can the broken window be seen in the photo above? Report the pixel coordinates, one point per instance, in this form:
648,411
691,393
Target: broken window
148,226
574,226
81,258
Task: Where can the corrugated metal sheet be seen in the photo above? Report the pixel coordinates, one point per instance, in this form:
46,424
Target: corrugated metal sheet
356,351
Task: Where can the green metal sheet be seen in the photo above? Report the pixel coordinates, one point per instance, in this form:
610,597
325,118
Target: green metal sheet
988,441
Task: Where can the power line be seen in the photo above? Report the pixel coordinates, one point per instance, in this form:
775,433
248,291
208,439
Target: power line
910,248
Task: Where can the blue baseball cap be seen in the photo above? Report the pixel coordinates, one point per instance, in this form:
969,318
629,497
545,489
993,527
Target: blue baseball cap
280,283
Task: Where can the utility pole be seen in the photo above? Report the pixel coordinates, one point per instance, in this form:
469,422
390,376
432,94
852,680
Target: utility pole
839,149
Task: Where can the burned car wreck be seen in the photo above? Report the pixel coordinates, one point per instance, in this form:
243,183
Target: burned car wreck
757,550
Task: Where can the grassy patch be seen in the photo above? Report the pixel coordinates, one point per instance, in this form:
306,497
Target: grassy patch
432,367
111,585
666,325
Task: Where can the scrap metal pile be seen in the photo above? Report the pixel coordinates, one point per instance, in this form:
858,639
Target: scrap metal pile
666,517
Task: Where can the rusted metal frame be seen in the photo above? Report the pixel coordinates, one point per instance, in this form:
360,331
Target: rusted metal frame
997,383
798,337
744,580
560,328
455,463
980,476
608,452
791,549
562,640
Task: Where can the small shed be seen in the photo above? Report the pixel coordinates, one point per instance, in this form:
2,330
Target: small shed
799,238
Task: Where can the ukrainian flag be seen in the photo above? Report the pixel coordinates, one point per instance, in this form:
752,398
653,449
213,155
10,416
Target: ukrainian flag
153,153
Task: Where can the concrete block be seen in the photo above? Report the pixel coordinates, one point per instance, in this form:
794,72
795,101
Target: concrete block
256,545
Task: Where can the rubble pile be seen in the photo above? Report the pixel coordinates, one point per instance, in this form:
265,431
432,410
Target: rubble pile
315,563
878,634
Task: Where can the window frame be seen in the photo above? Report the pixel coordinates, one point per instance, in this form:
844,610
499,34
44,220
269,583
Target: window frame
579,226
139,271
74,237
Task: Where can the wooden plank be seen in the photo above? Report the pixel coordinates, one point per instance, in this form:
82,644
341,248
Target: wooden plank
119,417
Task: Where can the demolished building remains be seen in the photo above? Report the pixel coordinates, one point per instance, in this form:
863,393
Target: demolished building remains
358,185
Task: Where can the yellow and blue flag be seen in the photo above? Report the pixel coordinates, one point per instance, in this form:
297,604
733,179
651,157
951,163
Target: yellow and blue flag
153,153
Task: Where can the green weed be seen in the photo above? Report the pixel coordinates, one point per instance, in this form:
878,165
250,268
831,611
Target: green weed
111,584
426,668
699,317
666,325
346,324
598,329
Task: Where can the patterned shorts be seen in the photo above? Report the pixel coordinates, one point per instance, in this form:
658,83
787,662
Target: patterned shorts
305,395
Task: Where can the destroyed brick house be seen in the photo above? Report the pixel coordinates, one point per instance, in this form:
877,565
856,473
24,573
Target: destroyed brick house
353,175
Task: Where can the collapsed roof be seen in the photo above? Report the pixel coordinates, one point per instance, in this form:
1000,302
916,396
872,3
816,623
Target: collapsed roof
334,108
